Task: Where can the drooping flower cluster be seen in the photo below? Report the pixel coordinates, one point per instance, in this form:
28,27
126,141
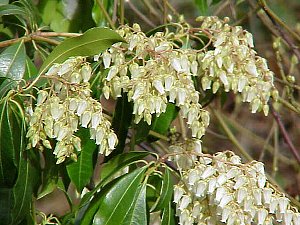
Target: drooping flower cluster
235,65
219,189
66,105
154,72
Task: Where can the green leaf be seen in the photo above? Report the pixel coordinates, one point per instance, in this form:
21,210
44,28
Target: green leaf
121,122
215,2
49,174
159,124
116,203
202,6
90,43
56,20
30,69
162,123
12,66
97,14
23,190
119,162
138,213
6,202
168,215
12,10
142,130
166,191
80,172
18,203
4,2
9,145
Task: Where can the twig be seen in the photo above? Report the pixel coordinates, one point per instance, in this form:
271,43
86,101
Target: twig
39,36
277,20
56,34
231,136
285,134
122,12
141,15
103,10
277,23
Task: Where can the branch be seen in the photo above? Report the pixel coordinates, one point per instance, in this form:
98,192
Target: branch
277,23
285,134
141,15
103,10
39,36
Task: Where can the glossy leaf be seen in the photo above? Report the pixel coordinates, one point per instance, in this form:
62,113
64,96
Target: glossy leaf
168,216
138,212
202,6
50,175
162,123
166,191
121,122
12,10
119,162
9,145
97,14
116,203
30,69
12,66
90,43
22,191
18,204
142,130
80,172
215,2
159,124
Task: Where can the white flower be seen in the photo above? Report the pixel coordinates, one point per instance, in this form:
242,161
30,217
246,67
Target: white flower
283,203
178,192
223,78
95,120
82,106
42,95
57,110
86,118
99,136
185,201
261,216
241,194
112,140
181,96
86,73
200,187
225,200
106,59
159,86
168,82
175,62
112,73
53,70
251,69
62,133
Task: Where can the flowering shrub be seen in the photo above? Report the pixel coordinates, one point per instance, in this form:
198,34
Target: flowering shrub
128,165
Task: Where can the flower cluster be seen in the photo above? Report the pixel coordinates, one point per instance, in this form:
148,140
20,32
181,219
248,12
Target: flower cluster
234,64
154,72
220,189
66,104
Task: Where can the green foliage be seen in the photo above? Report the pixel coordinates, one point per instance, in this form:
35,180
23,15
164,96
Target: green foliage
12,66
90,43
80,172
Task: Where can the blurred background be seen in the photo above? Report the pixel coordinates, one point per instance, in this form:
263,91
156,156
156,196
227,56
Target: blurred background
276,33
